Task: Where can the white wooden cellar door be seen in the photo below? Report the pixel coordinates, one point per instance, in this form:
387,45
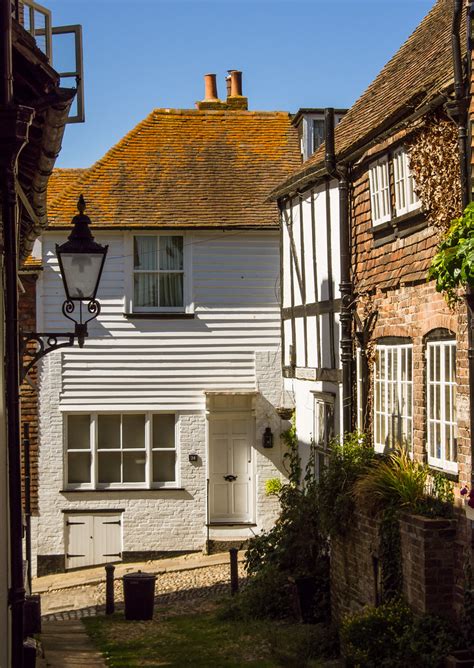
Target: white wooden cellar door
93,539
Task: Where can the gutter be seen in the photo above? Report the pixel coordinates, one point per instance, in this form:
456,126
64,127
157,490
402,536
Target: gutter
55,124
315,172
340,172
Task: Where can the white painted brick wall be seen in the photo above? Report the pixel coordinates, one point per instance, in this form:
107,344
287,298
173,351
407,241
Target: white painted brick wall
269,461
153,520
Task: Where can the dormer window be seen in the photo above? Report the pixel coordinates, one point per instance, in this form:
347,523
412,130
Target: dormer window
406,199
380,191
392,189
318,133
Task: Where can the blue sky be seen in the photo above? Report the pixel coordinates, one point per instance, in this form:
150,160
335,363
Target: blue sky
143,54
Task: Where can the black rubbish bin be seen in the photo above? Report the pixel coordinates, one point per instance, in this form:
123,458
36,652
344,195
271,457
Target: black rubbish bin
139,595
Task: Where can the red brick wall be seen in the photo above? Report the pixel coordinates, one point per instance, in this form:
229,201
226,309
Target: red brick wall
353,581
428,565
28,395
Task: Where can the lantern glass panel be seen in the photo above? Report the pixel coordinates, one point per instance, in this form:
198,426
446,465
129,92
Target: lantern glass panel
81,273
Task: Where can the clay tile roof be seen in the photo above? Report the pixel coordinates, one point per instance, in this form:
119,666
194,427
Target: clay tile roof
188,168
420,70
60,180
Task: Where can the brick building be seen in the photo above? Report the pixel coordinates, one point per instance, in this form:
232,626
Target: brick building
403,370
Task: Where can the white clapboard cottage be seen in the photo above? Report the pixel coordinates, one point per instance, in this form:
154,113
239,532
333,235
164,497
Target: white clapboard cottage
160,433
310,290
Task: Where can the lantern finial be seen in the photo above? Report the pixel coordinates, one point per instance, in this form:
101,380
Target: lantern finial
81,204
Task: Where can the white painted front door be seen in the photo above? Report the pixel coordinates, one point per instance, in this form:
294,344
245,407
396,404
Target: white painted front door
230,468
93,539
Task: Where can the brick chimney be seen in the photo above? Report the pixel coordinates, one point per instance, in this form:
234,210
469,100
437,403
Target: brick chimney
211,101
235,99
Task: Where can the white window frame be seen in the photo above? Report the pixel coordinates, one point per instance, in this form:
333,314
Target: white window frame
380,196
94,484
393,393
406,199
321,449
437,390
188,305
359,383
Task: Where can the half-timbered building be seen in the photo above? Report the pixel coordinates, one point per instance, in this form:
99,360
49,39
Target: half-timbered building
361,221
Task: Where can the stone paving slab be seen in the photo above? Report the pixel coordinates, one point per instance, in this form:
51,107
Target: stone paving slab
67,645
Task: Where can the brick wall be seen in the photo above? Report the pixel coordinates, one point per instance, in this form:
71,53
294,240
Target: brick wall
28,393
354,582
428,565
390,279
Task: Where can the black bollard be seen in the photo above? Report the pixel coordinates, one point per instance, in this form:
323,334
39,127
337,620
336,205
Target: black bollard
234,573
109,589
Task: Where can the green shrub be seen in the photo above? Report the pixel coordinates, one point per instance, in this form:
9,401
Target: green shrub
273,486
347,462
391,636
401,482
396,480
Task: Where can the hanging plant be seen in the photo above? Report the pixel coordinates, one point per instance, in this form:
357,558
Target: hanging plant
453,265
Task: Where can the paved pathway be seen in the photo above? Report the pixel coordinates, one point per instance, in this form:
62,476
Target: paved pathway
67,645
82,593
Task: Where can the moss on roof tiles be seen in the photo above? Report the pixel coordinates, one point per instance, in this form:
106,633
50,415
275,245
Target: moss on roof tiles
188,168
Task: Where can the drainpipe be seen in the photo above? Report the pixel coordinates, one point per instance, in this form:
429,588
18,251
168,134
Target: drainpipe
340,172
460,115
14,125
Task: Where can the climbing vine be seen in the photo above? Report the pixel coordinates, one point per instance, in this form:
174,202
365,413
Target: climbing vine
434,163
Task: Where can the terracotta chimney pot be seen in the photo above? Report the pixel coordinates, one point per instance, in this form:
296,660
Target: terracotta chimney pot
210,87
235,83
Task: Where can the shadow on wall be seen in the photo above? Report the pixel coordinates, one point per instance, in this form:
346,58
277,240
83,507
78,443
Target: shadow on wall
268,417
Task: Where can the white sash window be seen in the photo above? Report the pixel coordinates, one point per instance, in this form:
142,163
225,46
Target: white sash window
406,199
393,396
113,450
380,191
441,404
158,273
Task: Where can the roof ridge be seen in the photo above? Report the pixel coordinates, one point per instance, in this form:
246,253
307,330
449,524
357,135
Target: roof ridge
416,72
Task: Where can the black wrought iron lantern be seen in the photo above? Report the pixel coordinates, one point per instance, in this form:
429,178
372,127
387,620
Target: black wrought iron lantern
81,261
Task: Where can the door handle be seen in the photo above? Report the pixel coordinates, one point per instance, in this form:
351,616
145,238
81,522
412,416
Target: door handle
230,477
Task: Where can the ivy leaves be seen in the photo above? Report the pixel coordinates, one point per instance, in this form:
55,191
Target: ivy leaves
453,265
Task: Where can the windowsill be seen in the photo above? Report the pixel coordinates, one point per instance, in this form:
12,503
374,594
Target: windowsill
399,227
107,490
159,316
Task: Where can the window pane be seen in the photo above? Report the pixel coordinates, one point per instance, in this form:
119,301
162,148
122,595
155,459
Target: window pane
163,431
171,289
109,466
163,466
79,467
145,290
133,467
145,252
171,253
108,431
133,431
78,432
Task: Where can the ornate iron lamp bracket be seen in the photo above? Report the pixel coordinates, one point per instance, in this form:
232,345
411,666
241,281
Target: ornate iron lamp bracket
48,342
